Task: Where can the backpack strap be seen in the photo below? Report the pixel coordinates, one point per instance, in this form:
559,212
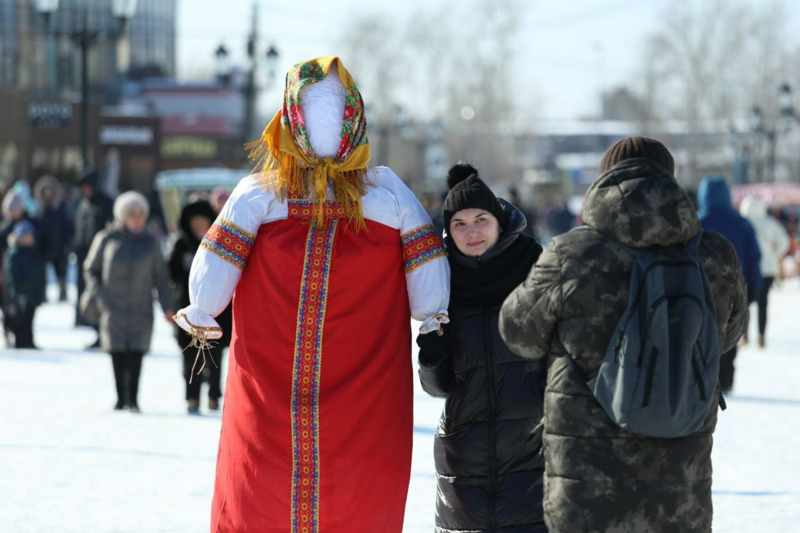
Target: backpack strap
694,243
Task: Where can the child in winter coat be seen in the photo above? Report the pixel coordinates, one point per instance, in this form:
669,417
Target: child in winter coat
25,283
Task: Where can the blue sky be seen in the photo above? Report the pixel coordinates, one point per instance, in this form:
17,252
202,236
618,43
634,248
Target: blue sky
568,49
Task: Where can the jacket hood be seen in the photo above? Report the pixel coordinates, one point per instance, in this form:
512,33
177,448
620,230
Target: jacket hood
201,208
44,183
639,204
753,208
714,194
513,224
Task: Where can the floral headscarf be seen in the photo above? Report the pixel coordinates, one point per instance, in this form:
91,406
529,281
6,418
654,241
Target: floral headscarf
289,164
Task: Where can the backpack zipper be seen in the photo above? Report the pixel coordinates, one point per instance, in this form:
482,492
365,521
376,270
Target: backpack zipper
640,292
652,312
648,384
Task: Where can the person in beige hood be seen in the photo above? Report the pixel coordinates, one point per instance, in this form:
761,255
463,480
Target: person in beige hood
773,240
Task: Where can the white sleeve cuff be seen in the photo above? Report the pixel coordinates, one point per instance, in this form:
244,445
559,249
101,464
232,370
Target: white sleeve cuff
197,323
434,323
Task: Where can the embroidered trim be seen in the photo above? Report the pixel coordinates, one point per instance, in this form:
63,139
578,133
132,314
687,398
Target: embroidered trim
229,242
303,209
421,245
306,378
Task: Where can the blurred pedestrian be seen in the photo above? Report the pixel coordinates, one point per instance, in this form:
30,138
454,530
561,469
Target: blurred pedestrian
487,449
599,475
529,212
13,213
560,219
94,212
773,241
25,283
123,267
196,219
717,214
218,197
55,229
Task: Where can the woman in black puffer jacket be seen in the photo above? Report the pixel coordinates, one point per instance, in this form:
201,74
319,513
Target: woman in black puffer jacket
487,448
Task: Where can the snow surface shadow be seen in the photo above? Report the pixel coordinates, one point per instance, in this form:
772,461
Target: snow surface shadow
755,399
199,416
107,451
753,493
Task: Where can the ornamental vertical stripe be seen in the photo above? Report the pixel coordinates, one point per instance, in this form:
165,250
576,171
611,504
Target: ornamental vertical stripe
306,378
421,246
229,242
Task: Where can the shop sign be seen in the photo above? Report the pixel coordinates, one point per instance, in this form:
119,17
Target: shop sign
43,114
188,148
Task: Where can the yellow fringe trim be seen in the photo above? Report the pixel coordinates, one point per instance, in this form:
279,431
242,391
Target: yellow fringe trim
289,177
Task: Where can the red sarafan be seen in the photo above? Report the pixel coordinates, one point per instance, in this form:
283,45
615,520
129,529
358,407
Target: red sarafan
318,417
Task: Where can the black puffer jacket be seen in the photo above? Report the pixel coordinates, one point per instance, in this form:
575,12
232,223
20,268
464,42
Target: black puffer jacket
487,450
180,265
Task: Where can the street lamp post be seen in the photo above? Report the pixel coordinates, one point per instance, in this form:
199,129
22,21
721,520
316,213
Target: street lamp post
250,88
762,135
84,38
223,65
788,131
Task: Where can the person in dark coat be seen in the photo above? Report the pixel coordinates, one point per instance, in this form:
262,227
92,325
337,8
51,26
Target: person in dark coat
600,477
195,221
13,213
25,283
717,214
123,267
487,450
55,229
94,212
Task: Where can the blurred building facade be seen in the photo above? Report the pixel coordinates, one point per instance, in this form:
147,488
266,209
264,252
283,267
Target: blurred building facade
40,89
47,66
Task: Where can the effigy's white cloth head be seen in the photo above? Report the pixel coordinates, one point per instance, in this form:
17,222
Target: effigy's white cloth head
323,112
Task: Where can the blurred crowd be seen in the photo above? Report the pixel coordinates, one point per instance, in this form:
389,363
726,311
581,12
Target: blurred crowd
124,260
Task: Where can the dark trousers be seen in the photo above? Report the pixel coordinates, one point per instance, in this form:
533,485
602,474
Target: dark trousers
60,268
79,321
127,367
726,368
22,328
761,298
212,373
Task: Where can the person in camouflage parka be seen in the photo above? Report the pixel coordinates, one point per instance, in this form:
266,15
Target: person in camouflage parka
598,476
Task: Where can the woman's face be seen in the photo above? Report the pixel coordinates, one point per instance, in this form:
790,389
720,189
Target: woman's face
474,231
135,221
200,225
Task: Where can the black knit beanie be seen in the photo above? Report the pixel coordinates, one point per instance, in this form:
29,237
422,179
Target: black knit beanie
636,147
468,191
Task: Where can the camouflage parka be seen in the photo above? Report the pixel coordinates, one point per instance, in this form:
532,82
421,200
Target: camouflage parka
598,476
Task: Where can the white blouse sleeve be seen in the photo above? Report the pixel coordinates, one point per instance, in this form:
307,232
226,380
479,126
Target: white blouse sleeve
222,256
425,262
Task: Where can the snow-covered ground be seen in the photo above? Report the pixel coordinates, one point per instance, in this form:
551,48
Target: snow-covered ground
69,463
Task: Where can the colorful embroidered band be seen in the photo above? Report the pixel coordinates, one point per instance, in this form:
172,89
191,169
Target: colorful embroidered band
228,241
306,378
300,209
421,246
